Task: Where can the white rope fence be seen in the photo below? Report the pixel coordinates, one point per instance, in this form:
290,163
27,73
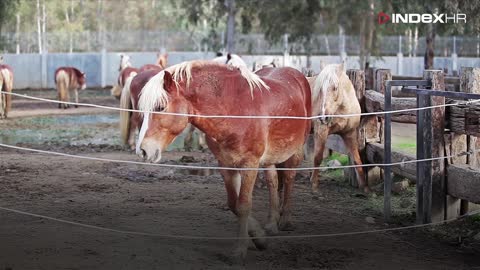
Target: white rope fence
198,237
239,116
181,166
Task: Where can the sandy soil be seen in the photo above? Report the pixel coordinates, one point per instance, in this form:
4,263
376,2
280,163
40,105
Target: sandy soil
179,202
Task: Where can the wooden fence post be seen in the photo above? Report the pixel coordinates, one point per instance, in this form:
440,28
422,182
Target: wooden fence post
435,212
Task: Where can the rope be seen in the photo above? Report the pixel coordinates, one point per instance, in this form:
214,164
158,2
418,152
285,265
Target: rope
179,166
240,116
195,237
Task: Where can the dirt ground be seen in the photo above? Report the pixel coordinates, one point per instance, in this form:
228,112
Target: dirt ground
185,202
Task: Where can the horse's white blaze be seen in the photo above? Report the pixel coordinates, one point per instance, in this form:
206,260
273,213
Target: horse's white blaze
143,131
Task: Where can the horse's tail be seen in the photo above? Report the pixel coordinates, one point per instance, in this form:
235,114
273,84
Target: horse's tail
7,86
126,103
61,80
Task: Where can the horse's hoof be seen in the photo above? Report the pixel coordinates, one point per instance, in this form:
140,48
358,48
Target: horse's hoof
286,225
271,228
239,256
260,243
76,106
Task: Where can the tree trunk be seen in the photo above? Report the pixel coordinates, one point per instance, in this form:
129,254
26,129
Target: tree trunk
430,48
39,29
370,28
17,29
44,27
231,25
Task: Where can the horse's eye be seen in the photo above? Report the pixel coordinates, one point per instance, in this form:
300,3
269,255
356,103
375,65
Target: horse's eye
160,109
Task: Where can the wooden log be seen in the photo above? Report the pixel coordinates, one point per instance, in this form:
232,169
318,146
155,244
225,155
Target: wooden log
375,102
434,191
464,119
381,75
470,80
357,77
375,154
463,183
369,78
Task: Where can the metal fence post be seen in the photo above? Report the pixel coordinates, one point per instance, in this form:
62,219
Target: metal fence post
387,184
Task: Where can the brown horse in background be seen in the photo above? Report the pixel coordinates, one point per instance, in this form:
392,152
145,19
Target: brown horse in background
333,94
129,121
6,85
207,88
69,79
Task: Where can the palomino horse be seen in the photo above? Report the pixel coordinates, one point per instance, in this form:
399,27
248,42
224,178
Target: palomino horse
333,94
6,85
207,88
69,79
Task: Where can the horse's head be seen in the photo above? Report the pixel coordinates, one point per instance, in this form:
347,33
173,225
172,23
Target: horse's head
82,80
160,94
328,91
162,59
124,61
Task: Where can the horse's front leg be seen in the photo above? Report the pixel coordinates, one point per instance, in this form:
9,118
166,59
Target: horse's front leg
320,139
271,178
351,143
239,190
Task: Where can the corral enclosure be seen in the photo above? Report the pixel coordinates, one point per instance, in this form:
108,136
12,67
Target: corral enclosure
74,197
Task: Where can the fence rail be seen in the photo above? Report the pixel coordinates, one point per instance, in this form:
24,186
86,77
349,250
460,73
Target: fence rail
320,44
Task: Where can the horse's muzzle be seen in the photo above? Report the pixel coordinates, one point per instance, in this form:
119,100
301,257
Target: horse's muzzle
325,120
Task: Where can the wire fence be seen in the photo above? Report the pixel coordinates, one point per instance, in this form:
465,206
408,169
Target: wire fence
193,237
242,116
320,44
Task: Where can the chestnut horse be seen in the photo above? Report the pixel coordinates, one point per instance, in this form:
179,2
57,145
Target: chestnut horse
128,123
69,79
207,88
129,120
333,94
6,85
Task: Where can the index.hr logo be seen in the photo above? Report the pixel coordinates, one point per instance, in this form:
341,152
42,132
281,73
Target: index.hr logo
422,18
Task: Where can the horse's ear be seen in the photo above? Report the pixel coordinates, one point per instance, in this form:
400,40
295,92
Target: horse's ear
167,81
229,56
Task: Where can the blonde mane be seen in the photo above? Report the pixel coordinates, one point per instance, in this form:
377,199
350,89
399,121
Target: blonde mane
327,77
184,70
153,95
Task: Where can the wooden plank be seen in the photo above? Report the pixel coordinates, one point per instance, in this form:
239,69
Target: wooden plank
375,102
464,183
375,154
464,119
437,145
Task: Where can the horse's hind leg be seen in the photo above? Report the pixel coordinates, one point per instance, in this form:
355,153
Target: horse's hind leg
271,178
351,143
287,177
320,139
